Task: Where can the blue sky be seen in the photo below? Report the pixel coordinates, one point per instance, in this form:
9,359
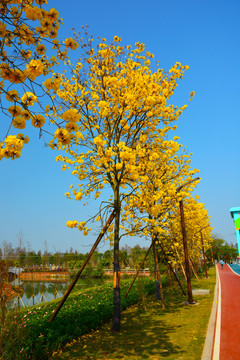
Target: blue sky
202,34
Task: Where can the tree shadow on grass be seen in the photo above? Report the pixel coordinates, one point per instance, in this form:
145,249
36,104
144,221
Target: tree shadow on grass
144,335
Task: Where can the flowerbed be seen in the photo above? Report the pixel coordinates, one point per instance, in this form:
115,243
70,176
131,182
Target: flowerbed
29,335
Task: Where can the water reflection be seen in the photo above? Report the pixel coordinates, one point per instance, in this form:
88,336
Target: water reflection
35,292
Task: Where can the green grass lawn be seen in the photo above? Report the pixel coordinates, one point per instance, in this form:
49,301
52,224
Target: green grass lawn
149,332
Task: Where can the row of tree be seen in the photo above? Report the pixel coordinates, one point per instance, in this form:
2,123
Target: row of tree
111,119
129,257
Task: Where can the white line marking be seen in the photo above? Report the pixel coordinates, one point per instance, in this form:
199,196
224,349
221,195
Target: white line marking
233,270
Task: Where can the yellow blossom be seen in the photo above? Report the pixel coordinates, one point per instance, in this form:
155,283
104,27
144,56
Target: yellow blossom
53,14
71,126
26,114
34,69
72,224
26,54
63,136
79,196
25,139
71,115
71,44
3,30
41,49
51,84
12,95
29,98
38,120
33,13
15,110
19,122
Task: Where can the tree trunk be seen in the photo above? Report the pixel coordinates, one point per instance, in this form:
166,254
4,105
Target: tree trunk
116,266
158,281
185,249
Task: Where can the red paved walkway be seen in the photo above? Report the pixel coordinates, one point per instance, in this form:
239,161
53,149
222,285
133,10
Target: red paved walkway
230,314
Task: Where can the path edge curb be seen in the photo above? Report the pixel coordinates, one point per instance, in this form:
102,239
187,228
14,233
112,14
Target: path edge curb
210,335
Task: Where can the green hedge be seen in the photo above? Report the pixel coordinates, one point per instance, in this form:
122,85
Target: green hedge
29,335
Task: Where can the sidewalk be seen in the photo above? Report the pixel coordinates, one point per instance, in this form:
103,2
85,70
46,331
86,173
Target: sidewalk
227,322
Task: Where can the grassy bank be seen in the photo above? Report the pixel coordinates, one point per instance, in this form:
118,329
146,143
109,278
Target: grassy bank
28,334
148,332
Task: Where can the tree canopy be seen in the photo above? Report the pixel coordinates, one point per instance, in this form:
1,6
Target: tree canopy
28,34
115,112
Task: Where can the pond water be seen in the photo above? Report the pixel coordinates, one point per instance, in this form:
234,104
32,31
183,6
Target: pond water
35,292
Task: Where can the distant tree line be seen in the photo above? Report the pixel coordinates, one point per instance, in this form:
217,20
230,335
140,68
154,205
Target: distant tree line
221,249
131,257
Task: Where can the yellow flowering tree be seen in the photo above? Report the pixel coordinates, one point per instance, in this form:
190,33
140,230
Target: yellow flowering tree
150,205
110,107
27,31
198,228
198,233
149,209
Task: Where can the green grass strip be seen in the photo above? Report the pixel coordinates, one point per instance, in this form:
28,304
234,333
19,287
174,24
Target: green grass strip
148,332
